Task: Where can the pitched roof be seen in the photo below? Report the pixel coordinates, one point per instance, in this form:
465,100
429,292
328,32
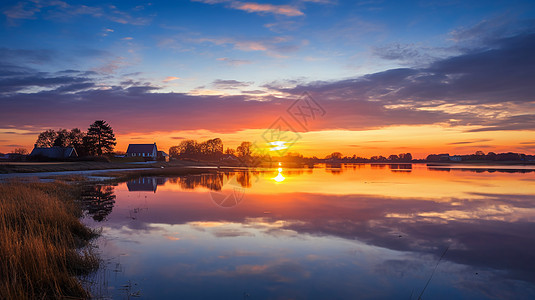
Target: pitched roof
141,148
55,152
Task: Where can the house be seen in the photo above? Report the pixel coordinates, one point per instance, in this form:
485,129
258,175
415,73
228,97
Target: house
149,151
55,152
456,158
162,156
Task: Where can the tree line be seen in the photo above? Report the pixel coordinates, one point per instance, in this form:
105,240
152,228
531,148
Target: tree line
211,149
99,139
338,157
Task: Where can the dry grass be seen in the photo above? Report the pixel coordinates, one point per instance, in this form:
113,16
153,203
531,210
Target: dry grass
40,238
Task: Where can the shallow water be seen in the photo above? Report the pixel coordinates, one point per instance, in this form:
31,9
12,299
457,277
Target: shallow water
331,232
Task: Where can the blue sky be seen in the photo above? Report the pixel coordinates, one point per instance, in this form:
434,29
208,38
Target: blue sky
201,41
253,50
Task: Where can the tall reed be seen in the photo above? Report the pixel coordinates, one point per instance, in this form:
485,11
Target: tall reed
41,238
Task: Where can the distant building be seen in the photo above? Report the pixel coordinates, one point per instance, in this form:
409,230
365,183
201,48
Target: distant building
456,158
162,156
438,157
228,157
55,152
149,151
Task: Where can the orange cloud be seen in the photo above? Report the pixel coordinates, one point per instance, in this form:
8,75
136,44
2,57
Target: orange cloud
275,9
170,78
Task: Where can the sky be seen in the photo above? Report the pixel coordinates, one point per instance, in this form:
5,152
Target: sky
364,77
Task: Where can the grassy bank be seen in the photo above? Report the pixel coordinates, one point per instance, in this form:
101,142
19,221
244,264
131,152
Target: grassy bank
40,238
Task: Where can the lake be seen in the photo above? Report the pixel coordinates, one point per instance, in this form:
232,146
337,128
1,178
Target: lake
353,231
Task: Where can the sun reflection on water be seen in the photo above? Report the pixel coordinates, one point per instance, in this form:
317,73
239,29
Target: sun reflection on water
279,177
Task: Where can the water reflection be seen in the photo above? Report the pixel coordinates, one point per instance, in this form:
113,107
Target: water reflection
98,201
289,242
400,167
279,177
142,184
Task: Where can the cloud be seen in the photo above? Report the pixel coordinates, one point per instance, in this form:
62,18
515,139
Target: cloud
170,78
15,84
405,53
114,64
276,46
230,84
501,74
59,10
27,56
453,91
234,62
261,8
254,7
470,142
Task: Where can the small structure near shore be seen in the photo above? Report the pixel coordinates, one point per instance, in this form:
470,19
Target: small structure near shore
55,152
149,151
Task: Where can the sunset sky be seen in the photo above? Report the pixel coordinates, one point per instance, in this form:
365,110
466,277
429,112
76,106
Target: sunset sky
383,76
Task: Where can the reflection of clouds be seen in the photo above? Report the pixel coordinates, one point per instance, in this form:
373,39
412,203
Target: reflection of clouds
489,232
230,232
220,229
401,267
281,270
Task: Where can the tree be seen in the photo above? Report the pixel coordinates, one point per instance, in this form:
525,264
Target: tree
189,148
393,157
61,139
405,157
244,149
75,138
213,148
46,138
174,151
334,155
230,151
20,151
100,138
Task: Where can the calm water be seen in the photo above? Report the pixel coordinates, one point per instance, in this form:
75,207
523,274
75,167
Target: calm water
332,232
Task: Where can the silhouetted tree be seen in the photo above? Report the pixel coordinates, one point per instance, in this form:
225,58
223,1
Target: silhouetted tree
334,156
61,139
393,157
174,151
244,149
188,148
491,156
75,137
211,148
230,151
46,138
99,138
20,151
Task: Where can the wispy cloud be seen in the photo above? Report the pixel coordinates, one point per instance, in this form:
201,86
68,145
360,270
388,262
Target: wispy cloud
470,142
170,78
276,47
234,62
230,84
62,10
254,7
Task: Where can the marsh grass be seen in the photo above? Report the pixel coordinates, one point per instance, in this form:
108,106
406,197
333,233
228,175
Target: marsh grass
41,242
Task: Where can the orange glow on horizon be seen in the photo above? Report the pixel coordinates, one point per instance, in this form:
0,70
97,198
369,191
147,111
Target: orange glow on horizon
418,140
